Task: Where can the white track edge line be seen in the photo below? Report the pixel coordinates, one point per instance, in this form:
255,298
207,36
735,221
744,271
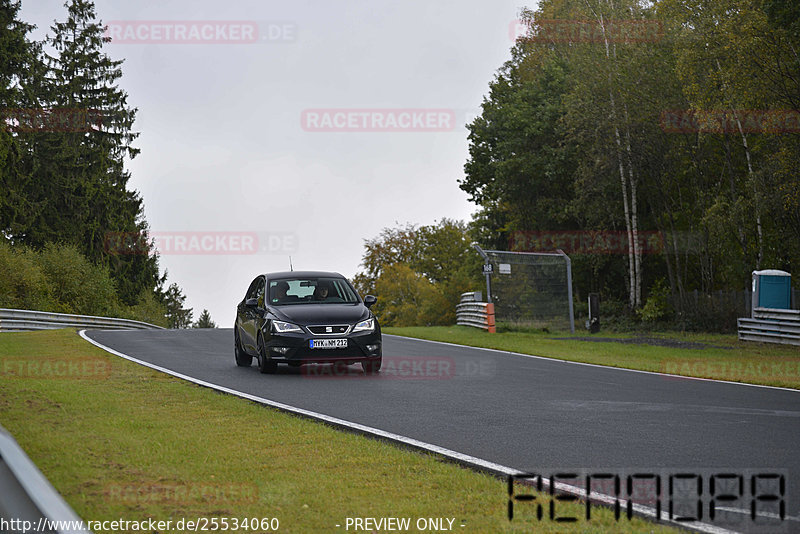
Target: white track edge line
448,453
600,366
762,514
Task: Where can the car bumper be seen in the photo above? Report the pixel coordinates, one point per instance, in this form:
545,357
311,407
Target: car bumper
295,348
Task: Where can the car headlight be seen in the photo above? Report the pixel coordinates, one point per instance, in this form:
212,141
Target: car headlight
365,326
281,327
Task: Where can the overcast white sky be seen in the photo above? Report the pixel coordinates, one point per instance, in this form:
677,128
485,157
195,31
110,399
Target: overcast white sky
223,145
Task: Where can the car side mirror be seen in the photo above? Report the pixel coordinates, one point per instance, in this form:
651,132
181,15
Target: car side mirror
251,303
369,300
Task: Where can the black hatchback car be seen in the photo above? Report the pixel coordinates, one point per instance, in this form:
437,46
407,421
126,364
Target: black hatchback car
302,317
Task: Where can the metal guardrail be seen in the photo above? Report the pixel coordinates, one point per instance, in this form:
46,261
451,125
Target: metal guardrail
471,312
770,325
26,496
27,320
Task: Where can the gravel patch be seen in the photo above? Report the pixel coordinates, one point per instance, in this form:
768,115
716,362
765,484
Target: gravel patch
643,340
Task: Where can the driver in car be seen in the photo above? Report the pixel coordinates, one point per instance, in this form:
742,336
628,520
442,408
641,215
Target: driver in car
279,295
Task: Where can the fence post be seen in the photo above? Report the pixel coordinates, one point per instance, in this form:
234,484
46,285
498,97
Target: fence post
569,292
488,275
490,318
748,301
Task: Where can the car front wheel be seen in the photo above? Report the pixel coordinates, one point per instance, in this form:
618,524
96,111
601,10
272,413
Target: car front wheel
371,367
265,365
242,358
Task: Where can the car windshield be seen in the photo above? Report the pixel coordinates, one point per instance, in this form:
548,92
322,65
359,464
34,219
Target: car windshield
321,290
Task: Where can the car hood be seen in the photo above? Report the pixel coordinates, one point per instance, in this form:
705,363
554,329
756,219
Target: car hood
309,314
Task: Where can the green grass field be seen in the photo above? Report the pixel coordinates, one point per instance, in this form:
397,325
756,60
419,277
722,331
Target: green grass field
723,358
120,441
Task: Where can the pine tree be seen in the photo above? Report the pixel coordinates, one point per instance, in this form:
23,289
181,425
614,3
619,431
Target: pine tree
177,316
16,55
62,172
204,321
79,193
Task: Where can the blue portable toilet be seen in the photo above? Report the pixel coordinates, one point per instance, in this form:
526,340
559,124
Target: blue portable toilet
772,289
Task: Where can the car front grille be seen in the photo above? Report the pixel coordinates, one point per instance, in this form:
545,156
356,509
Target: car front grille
329,329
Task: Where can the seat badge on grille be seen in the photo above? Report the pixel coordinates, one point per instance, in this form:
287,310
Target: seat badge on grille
329,329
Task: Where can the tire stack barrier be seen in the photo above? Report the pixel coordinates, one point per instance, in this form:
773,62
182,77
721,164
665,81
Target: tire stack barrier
771,326
471,312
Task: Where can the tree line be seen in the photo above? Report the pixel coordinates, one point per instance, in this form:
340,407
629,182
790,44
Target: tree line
672,119
66,134
419,272
656,142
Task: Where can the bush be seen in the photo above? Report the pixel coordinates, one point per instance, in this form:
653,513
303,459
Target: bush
76,285
60,279
406,298
147,309
23,285
657,306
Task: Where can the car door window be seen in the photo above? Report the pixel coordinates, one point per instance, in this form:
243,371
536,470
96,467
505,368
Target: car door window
260,292
253,289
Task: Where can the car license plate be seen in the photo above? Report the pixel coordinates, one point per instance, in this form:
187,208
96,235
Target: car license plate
328,343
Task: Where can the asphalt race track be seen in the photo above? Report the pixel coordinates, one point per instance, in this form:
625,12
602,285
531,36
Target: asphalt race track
532,414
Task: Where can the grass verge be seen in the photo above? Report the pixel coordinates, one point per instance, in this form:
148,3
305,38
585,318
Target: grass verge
120,441
722,358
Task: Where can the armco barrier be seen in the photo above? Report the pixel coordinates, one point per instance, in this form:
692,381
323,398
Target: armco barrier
471,312
770,325
27,497
26,320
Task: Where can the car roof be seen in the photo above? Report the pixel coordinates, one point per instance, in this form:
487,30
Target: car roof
302,274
